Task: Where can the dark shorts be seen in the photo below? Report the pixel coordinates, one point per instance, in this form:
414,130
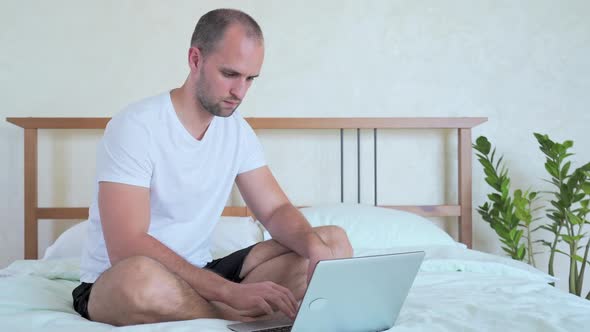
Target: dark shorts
228,267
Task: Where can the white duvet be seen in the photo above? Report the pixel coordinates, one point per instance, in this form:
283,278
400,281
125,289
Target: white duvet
456,290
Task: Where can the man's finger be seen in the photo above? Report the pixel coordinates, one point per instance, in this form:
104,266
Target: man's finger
255,312
282,303
287,292
246,319
262,304
282,294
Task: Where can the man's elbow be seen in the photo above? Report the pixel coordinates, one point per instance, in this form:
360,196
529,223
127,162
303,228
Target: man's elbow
120,250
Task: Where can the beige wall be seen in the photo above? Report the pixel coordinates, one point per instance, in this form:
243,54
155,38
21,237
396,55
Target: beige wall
522,64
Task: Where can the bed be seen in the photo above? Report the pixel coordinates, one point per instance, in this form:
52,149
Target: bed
457,288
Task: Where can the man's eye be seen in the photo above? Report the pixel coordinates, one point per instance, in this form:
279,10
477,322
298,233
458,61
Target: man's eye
226,74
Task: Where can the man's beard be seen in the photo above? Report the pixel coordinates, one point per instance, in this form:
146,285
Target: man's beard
215,108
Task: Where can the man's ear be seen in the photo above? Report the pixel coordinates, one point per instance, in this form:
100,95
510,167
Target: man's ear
195,58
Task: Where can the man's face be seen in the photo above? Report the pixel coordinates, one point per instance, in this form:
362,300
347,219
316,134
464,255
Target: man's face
226,73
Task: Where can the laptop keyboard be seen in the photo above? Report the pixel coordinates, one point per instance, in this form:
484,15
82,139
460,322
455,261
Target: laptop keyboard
277,329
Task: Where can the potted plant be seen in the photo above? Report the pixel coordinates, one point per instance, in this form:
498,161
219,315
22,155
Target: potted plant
511,214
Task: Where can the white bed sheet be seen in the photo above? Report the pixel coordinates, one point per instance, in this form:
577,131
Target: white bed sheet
455,290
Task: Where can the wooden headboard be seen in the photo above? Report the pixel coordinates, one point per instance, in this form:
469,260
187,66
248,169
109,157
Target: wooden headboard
463,210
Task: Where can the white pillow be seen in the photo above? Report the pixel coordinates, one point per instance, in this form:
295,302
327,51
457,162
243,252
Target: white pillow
230,234
372,227
69,243
234,233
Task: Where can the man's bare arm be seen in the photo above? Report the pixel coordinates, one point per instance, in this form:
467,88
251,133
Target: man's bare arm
125,218
286,224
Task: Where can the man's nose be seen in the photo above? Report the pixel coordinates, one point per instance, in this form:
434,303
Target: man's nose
239,89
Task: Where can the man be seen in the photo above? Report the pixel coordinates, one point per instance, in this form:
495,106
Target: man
165,168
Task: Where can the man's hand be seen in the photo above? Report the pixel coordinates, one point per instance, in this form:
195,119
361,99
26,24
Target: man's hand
260,298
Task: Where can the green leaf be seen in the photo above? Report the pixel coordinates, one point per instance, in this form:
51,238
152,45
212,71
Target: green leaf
499,161
501,232
552,170
578,258
553,181
578,198
555,149
493,183
505,186
521,252
518,236
521,215
486,164
482,145
571,239
574,219
512,234
544,227
586,187
509,251
495,198
543,242
565,169
542,139
557,205
560,148
490,173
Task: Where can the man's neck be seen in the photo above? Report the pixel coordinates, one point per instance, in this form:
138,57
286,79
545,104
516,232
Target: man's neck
195,119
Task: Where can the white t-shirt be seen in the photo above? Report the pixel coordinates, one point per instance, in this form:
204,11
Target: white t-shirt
189,180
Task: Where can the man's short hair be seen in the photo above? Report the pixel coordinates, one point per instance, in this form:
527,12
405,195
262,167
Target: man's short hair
212,26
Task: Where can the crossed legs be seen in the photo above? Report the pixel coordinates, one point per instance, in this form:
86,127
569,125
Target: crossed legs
140,290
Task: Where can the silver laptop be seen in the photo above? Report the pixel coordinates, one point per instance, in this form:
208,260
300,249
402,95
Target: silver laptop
352,294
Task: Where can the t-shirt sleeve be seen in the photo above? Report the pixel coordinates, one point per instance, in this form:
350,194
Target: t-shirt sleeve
252,155
123,154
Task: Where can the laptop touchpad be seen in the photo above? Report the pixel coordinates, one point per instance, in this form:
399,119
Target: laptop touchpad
318,304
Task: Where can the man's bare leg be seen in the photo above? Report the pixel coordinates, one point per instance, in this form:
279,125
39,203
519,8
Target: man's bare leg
270,261
140,290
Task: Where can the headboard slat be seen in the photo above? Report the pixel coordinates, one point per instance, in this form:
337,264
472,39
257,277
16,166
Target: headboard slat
276,123
465,186
31,194
81,213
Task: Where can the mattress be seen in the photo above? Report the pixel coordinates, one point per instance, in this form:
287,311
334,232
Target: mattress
457,289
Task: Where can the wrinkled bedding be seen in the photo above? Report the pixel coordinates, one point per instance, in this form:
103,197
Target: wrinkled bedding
456,290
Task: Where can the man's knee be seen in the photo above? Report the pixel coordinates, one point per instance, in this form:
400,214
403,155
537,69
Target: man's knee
151,286
134,273
336,238
136,264
146,287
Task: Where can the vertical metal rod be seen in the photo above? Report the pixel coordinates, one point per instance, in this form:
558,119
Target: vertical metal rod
341,165
375,164
358,165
